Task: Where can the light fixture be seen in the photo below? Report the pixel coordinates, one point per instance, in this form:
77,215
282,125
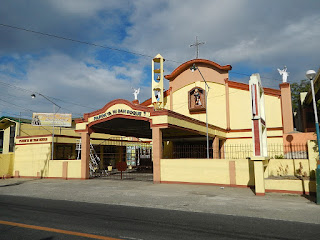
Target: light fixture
33,95
193,68
310,74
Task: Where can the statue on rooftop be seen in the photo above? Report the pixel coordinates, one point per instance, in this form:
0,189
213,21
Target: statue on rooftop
284,74
135,93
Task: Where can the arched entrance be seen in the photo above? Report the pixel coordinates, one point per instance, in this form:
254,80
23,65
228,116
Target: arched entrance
142,124
127,139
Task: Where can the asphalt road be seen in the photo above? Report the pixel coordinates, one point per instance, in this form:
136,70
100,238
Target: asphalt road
125,222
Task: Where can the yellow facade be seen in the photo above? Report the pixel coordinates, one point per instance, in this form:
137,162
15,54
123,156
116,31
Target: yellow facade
6,165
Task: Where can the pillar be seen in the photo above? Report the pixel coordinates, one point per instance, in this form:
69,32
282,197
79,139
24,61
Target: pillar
215,148
85,154
65,170
156,153
259,175
286,107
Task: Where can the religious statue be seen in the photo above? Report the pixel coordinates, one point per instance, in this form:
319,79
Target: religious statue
197,97
284,74
135,93
36,121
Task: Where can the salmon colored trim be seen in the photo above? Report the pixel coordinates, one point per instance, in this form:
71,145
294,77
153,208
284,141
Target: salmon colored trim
249,129
161,125
110,104
188,64
149,101
260,194
243,86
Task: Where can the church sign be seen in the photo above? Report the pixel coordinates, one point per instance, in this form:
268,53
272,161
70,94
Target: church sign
120,110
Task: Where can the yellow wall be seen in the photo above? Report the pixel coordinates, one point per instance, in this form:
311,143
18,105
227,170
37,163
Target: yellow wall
6,140
290,185
287,167
55,168
273,111
34,159
6,164
240,109
216,103
214,171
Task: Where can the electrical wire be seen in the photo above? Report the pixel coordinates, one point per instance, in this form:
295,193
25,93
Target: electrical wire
77,41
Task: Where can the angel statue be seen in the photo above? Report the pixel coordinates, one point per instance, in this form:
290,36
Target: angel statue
284,74
135,93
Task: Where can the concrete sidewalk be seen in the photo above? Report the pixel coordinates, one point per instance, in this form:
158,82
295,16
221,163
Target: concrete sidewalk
195,198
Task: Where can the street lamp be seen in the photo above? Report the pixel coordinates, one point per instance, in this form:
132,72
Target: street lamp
193,68
53,119
311,74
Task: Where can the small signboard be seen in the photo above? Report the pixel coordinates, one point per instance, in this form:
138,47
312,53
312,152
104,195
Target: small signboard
51,119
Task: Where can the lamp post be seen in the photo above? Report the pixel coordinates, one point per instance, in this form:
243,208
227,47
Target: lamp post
193,68
311,74
53,119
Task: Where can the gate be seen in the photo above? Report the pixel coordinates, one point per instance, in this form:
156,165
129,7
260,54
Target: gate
105,156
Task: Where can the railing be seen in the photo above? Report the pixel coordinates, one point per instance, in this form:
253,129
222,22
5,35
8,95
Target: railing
240,151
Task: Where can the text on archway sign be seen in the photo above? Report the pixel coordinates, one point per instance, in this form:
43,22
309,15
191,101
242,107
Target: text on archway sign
120,111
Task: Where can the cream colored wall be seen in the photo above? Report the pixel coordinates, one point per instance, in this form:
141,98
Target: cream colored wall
32,158
6,140
74,169
56,166
216,171
193,170
290,185
240,109
273,111
287,167
6,164
216,103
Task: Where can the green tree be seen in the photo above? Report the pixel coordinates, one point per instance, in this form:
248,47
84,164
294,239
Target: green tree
296,89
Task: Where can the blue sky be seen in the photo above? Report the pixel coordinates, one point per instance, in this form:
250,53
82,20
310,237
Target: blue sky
252,36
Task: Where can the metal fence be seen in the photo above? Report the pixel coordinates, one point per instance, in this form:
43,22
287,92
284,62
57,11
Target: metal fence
137,156
240,151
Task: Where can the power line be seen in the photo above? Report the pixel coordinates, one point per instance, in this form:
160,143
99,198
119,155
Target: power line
75,40
100,46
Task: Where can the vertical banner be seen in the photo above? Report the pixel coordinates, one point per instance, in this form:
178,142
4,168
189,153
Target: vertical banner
259,130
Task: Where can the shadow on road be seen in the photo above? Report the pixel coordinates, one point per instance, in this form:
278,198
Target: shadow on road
17,183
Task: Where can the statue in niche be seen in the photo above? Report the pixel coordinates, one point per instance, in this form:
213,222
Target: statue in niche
197,99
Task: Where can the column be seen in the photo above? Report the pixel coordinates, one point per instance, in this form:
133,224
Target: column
259,176
85,154
286,107
156,153
215,148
